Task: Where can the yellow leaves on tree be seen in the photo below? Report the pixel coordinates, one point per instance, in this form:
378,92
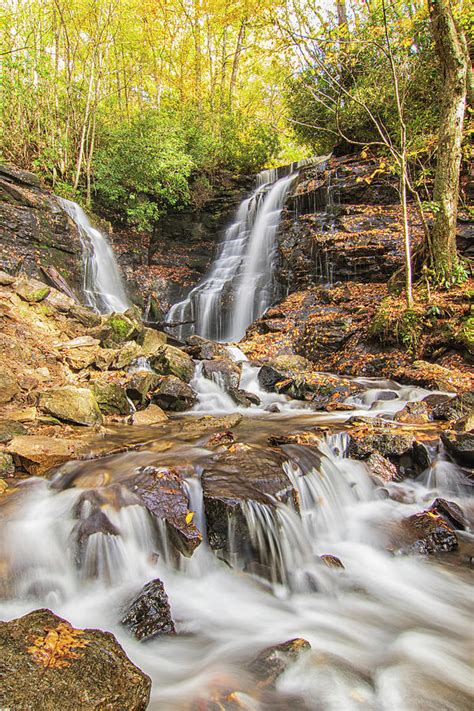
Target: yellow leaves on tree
56,647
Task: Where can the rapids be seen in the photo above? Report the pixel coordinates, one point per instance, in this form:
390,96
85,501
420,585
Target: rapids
387,632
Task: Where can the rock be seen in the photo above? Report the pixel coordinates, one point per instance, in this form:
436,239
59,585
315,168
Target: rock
151,341
38,454
240,474
10,429
105,357
173,361
244,398
273,661
435,399
224,372
7,466
386,442
141,386
460,446
451,512
431,375
95,522
117,329
268,377
85,316
9,387
202,349
273,408
414,413
331,561
47,664
31,290
111,398
152,415
173,394
71,404
455,408
128,354
162,492
294,364
381,468
148,615
6,279
427,533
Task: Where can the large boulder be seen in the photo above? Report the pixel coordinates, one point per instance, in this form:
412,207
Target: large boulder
148,615
37,454
152,415
428,533
169,360
173,394
400,448
71,404
455,408
47,664
460,446
142,385
202,349
117,329
222,371
151,340
31,290
111,398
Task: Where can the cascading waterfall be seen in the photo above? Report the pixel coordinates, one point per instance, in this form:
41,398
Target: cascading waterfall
102,284
240,285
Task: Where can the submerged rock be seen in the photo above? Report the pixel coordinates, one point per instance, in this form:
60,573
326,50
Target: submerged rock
428,533
71,404
222,371
47,664
148,615
273,661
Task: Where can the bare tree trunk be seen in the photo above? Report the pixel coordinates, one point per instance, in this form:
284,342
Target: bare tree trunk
451,48
235,64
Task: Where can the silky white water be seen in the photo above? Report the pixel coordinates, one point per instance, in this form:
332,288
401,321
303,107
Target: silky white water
387,632
102,284
241,284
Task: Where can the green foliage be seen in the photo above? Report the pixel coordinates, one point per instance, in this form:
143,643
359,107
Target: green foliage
142,169
397,325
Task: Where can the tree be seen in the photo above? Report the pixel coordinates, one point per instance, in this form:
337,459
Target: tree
452,50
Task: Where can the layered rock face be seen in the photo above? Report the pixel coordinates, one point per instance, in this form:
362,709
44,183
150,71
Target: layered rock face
34,231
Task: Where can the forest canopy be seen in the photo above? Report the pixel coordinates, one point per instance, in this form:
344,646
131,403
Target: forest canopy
129,103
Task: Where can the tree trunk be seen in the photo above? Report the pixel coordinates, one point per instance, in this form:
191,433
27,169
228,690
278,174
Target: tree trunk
451,48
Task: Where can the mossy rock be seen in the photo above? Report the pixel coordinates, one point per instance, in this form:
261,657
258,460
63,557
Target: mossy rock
10,429
118,329
71,404
173,361
31,290
7,467
111,398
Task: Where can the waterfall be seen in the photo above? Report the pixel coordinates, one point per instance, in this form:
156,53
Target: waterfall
240,285
102,284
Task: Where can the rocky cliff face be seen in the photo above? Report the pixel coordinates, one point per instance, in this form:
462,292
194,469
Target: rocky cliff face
34,231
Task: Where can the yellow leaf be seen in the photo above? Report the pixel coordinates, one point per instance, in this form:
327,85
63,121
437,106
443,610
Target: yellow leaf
189,516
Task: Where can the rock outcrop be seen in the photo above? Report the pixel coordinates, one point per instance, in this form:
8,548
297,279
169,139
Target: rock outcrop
48,664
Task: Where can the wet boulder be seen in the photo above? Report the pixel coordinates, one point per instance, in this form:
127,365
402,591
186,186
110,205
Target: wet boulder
414,413
71,404
169,360
244,398
381,468
451,512
240,479
269,377
173,394
151,340
47,664
332,561
222,371
161,490
148,614
400,448
455,408
433,376
460,446
273,661
427,533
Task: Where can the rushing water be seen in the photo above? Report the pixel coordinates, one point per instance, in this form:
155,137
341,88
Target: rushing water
241,285
388,632
102,284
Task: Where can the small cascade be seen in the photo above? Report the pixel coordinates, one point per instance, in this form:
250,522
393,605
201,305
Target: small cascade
240,285
102,284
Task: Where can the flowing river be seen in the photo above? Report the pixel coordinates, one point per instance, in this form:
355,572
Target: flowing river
389,631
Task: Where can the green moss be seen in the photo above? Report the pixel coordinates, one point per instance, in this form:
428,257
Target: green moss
120,326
